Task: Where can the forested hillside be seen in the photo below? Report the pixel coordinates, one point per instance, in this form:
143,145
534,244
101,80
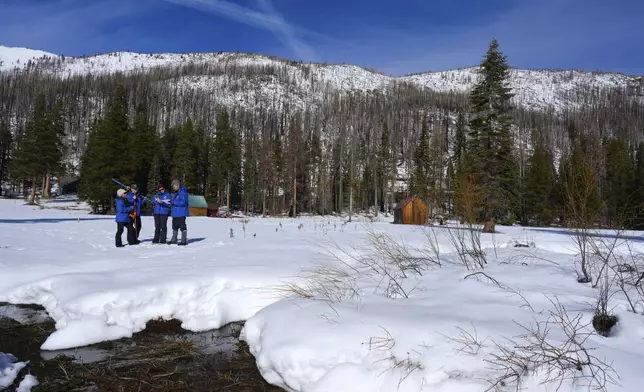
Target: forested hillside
275,134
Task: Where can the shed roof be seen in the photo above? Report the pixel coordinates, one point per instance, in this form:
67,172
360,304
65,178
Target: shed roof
197,201
403,203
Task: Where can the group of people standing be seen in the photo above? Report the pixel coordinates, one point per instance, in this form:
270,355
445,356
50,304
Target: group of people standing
128,214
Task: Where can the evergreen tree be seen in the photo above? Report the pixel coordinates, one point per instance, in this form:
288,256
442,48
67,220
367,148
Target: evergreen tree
422,165
436,172
557,196
250,170
204,155
227,159
639,187
385,165
314,167
31,160
539,184
295,157
168,147
106,155
51,145
184,159
580,190
143,146
460,141
6,146
490,146
278,165
619,186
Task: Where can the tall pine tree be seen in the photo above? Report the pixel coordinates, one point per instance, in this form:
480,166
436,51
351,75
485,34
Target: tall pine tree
539,184
184,159
6,146
36,150
106,155
490,147
579,183
143,145
638,182
227,160
619,189
420,178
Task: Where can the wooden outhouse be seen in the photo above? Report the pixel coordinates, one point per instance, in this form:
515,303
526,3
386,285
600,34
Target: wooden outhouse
411,211
197,205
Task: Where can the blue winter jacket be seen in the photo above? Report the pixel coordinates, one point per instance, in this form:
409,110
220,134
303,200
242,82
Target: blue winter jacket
123,210
180,203
139,201
161,208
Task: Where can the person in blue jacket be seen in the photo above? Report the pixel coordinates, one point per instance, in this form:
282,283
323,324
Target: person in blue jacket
137,201
123,220
180,212
161,210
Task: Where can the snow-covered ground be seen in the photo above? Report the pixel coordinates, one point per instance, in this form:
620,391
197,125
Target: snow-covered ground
358,334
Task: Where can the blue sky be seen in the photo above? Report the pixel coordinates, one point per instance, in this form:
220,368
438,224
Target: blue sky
395,36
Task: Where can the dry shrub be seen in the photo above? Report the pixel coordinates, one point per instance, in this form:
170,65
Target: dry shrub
535,352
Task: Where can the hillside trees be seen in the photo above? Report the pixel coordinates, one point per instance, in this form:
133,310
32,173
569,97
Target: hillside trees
39,149
352,148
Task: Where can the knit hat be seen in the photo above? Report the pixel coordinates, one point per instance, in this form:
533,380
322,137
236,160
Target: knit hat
160,187
176,182
134,186
120,192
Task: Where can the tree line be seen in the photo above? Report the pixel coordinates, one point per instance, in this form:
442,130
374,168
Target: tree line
347,151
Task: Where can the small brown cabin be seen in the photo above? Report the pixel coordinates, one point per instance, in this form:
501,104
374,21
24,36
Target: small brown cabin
411,211
197,205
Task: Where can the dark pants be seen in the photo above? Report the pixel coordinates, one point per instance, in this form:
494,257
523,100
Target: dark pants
131,236
179,223
160,228
137,225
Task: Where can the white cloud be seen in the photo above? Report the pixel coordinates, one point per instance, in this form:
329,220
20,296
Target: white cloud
268,19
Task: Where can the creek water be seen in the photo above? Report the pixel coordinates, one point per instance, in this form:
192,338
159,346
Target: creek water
163,357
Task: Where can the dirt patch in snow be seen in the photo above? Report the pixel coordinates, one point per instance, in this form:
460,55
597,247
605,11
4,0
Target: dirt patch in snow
163,357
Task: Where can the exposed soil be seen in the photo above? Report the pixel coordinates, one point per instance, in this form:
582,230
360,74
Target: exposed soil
163,357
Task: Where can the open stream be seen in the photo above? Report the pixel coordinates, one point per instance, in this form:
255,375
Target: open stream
163,357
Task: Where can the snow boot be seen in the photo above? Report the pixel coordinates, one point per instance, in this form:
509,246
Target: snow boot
175,233
184,238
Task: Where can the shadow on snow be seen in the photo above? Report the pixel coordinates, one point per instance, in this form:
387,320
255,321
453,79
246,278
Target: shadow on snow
190,240
52,220
568,232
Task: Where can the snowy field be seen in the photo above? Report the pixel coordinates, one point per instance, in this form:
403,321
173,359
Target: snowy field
328,309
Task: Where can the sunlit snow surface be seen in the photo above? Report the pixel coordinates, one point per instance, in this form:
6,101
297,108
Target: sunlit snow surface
65,260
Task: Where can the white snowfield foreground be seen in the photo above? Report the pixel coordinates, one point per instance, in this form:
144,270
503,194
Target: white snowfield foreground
365,342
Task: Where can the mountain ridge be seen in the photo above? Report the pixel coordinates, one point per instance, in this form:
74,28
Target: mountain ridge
535,89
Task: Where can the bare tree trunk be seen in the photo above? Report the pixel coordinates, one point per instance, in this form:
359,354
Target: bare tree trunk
228,196
47,185
351,178
375,192
32,196
294,188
